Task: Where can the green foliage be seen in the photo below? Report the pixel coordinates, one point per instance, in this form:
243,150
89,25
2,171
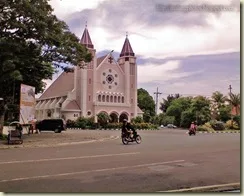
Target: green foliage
103,119
168,120
146,104
177,107
33,43
224,113
3,137
237,119
186,118
167,102
137,119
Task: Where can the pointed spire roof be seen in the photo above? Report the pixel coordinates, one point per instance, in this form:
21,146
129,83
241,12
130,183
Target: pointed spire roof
127,49
86,39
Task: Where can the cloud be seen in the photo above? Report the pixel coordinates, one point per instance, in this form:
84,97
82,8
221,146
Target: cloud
194,52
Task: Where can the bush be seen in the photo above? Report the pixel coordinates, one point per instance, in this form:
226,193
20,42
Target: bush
237,119
217,125
204,128
3,137
228,125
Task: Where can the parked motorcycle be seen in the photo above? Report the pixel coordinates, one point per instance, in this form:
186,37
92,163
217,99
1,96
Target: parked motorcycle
126,138
192,132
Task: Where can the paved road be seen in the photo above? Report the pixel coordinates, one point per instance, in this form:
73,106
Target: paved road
165,160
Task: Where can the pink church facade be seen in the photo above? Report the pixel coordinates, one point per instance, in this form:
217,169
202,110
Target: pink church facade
105,85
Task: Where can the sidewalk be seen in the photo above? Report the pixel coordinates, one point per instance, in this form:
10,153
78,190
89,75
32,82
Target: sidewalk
51,139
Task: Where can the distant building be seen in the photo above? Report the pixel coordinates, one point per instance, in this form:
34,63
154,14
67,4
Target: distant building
105,85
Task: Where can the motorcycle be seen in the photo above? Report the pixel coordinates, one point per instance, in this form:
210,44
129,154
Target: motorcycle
192,132
126,138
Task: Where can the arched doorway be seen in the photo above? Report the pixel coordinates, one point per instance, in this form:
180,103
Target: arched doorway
114,117
123,116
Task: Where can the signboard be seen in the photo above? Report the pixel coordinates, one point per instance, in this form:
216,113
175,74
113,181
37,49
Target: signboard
27,103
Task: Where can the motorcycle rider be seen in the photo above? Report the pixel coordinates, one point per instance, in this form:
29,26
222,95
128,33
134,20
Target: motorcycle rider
126,127
193,127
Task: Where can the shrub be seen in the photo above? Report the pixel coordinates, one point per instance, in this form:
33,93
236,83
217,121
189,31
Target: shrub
70,123
237,119
217,125
228,125
204,128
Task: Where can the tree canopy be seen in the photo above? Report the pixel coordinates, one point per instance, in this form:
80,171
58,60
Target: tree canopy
146,104
33,43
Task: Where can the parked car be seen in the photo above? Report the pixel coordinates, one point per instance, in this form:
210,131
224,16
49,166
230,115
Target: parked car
171,126
56,125
162,126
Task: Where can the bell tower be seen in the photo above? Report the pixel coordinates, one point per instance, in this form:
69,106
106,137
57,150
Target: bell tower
127,61
84,78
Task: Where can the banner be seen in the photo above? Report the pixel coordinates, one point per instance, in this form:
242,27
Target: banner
27,103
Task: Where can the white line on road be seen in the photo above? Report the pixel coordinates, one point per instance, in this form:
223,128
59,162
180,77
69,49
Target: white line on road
203,187
90,171
70,158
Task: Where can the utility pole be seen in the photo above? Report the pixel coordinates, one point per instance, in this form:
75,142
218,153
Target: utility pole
156,104
230,88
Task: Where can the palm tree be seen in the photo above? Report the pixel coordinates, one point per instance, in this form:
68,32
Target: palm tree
218,98
235,101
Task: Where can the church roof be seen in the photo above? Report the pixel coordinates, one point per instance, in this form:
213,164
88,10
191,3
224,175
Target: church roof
73,105
100,59
60,87
127,49
86,39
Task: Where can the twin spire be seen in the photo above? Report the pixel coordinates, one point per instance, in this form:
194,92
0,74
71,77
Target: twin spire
126,50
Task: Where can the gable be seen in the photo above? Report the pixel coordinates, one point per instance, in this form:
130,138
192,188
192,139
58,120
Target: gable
60,87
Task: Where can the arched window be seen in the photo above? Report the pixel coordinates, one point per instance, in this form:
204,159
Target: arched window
118,99
99,98
107,98
115,99
103,98
111,99
123,99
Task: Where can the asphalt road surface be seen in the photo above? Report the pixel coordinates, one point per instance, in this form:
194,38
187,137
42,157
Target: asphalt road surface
165,160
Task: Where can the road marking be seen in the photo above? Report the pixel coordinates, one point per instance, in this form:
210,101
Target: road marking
70,158
203,187
91,171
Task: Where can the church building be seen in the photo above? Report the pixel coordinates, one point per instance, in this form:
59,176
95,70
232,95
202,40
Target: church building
105,85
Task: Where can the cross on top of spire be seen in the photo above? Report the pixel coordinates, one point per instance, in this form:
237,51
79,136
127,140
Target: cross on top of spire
85,39
127,49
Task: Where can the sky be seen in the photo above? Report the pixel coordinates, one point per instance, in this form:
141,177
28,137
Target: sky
192,48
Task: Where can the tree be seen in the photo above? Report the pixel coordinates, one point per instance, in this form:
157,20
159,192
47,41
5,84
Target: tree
103,119
235,101
166,102
218,100
224,113
201,108
146,104
33,43
177,107
186,118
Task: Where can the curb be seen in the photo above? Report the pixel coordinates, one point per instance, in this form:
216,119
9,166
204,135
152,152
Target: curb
218,132
111,129
60,144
